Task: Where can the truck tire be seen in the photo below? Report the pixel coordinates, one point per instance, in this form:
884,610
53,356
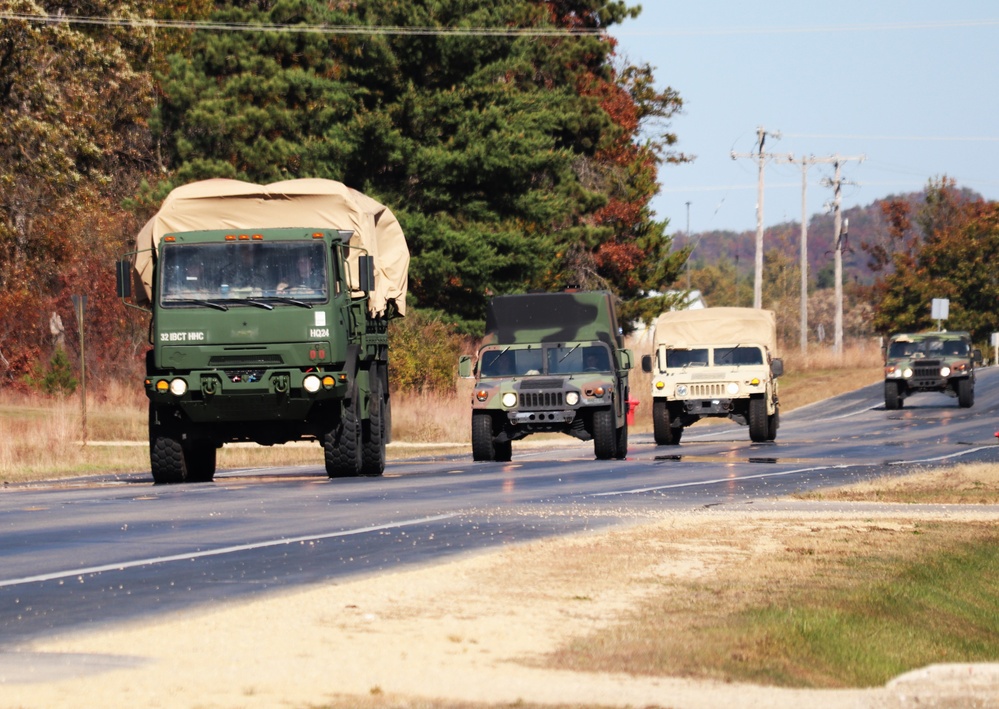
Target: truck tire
166,458
483,446
758,424
604,434
893,396
663,431
342,442
373,434
621,442
965,393
773,423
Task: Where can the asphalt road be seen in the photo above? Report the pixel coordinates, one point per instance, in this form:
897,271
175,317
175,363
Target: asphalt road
91,551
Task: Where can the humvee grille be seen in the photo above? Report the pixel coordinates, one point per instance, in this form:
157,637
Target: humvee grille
540,399
706,391
927,370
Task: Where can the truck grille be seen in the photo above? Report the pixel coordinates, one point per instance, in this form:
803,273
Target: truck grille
926,370
540,399
706,391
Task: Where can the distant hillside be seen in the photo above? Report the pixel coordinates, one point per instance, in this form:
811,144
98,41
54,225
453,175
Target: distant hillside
865,223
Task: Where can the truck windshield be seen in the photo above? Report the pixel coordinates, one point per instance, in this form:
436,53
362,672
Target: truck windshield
686,358
234,272
738,355
506,362
576,359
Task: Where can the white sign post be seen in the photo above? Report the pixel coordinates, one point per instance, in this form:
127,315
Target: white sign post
995,347
939,310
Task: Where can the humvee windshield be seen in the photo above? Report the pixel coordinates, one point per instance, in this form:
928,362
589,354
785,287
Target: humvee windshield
927,348
237,271
738,355
573,359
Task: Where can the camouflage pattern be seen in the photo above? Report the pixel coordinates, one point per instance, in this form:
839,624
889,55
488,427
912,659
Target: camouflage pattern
715,362
930,361
550,362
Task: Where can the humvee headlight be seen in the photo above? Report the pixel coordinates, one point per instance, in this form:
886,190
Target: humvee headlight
945,371
733,388
572,398
907,372
681,390
510,399
162,386
312,383
178,387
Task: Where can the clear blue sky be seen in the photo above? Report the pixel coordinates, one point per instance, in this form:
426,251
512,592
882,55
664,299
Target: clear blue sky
913,86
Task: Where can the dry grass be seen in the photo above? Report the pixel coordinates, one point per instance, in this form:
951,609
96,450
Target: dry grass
43,435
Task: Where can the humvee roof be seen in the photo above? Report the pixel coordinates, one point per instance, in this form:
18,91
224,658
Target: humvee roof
552,317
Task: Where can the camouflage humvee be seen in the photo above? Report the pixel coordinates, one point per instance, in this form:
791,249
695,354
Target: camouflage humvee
550,362
930,361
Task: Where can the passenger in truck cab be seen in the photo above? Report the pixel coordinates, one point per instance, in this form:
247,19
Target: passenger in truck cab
303,277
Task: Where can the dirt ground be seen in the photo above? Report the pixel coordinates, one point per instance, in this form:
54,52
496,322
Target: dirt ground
464,632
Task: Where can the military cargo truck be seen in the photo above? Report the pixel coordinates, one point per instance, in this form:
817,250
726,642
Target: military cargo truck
715,362
550,362
269,313
930,361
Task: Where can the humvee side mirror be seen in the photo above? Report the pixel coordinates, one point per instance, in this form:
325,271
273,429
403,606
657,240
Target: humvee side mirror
123,279
626,358
976,355
647,364
465,366
777,367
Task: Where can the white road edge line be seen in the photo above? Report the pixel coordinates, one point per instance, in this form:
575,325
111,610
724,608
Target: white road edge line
217,552
716,481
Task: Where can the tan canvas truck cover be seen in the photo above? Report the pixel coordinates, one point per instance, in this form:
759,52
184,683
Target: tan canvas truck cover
717,326
307,203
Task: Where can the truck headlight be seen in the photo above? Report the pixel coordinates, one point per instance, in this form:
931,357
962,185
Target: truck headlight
572,398
312,383
178,387
945,371
681,390
510,399
733,388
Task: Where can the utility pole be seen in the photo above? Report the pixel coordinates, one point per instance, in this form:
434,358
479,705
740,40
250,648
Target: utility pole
761,157
805,163
687,233
838,239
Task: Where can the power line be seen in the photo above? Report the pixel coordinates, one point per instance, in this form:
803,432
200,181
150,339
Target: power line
306,29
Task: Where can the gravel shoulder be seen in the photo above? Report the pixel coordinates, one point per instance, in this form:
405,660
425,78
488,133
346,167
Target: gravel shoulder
469,631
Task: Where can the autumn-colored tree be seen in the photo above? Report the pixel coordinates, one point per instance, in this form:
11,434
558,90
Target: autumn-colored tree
945,249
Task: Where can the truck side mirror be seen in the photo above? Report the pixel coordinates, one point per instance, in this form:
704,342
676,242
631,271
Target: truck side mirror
777,367
647,364
465,366
123,279
366,275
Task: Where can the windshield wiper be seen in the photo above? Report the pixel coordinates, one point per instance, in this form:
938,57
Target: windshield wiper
562,358
197,301
292,301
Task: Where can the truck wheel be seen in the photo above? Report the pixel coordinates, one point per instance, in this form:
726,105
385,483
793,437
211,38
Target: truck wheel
373,431
965,393
773,422
893,396
166,458
200,457
663,431
342,443
758,425
604,434
621,442
483,447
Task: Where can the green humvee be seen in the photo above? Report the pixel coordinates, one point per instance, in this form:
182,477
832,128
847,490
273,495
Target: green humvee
550,362
930,361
